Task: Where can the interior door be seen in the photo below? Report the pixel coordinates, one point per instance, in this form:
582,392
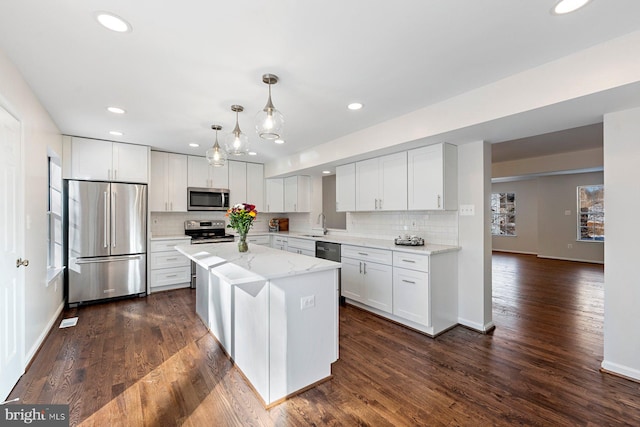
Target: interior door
12,248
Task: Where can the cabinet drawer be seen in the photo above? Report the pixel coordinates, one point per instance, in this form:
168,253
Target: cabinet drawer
170,276
302,244
411,261
167,245
258,240
411,295
168,260
381,256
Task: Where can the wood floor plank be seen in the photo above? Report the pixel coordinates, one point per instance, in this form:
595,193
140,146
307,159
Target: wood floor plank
151,362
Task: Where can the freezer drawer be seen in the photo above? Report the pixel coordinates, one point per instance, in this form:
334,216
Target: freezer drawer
98,278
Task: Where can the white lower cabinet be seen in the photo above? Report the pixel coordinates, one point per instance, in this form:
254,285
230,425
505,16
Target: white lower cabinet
415,289
168,268
279,242
301,246
367,276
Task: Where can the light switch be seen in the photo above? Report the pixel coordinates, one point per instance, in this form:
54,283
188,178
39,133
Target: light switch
567,212
467,210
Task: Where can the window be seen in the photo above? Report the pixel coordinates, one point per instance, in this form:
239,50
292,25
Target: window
591,213
55,214
503,214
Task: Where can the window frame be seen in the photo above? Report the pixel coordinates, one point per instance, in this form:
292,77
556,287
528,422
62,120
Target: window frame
504,212
54,215
582,215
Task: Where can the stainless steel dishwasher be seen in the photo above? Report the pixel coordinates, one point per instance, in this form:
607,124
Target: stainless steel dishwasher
331,251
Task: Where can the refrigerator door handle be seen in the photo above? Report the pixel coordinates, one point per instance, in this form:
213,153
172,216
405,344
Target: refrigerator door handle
113,218
107,259
105,231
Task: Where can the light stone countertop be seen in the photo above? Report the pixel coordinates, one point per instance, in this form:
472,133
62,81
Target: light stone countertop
178,236
427,249
258,264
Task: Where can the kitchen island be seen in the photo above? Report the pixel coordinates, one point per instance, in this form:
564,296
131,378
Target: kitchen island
274,313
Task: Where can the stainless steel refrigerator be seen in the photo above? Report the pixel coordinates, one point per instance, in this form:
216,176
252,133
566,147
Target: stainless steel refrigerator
106,240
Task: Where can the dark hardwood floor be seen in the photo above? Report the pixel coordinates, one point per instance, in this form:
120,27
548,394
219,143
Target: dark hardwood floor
151,362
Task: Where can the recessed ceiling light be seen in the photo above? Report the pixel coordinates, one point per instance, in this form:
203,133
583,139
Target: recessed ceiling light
115,133
279,141
194,145
568,6
355,106
116,110
326,172
253,153
113,22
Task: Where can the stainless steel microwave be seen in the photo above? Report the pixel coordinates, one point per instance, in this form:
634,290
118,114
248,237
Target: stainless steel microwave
207,199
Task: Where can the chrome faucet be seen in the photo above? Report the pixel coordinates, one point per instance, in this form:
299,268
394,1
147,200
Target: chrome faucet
324,219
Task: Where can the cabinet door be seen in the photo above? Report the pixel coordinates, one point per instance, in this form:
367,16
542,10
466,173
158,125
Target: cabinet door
303,202
219,176
91,159
425,178
291,194
378,286
158,198
255,185
130,163
392,178
411,295
198,172
346,188
275,194
237,183
351,279
176,178
367,185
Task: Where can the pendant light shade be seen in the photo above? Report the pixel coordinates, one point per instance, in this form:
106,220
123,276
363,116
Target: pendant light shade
269,121
237,142
216,155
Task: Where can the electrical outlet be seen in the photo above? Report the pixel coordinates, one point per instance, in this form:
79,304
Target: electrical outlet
570,246
155,221
414,224
307,302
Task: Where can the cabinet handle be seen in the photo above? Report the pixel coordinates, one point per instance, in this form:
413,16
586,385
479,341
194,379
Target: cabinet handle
376,203
115,174
166,208
363,253
364,269
438,200
108,174
409,281
380,204
171,275
295,207
409,260
171,259
171,205
360,267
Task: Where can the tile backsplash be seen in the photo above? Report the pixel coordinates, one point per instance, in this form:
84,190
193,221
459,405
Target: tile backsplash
436,227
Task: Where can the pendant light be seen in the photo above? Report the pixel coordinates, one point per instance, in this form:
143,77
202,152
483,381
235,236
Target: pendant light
269,121
216,155
237,142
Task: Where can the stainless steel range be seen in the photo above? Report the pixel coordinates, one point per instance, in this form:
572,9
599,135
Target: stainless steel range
205,231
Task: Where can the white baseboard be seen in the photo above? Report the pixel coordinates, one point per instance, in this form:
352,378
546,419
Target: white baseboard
571,259
514,252
479,327
617,369
34,349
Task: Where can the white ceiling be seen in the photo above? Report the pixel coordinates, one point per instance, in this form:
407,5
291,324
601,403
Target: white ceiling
185,63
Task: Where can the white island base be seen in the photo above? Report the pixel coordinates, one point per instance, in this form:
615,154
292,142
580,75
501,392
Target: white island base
275,314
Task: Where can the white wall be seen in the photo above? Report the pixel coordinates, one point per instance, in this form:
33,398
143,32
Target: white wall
43,300
474,259
575,160
542,226
556,230
622,203
526,238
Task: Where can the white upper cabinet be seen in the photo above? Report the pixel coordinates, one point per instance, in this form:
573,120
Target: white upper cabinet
297,194
381,183
255,185
237,182
346,188
202,174
433,178
168,187
274,189
93,159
